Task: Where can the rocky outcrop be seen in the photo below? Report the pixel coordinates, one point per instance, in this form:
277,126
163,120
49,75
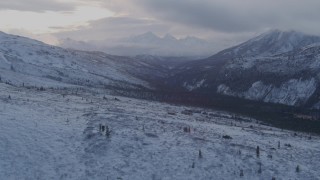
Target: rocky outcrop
276,67
294,92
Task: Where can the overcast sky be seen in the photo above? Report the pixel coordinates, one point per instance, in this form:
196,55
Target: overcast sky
215,20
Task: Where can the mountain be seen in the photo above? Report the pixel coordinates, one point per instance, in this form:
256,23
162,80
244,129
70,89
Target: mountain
147,38
147,43
272,43
61,119
29,62
277,67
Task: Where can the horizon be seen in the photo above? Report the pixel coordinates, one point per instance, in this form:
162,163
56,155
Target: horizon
159,89
161,38
224,23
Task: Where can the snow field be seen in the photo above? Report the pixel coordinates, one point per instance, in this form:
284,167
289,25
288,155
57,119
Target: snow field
47,135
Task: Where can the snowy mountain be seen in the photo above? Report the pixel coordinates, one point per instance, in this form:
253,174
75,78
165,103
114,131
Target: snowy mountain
278,67
28,62
271,43
147,43
60,119
147,38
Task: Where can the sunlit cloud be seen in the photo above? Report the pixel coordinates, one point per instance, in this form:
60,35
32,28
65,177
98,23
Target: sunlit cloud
42,22
215,20
38,5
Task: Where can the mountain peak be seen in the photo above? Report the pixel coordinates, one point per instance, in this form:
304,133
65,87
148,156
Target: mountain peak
149,34
278,34
272,42
144,38
169,37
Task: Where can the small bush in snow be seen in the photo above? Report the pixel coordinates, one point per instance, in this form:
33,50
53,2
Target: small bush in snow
241,173
227,137
258,151
200,154
187,129
104,129
287,145
260,169
108,131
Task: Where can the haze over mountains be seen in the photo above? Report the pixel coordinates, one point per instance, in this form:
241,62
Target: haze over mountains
277,66
159,90
54,102
149,44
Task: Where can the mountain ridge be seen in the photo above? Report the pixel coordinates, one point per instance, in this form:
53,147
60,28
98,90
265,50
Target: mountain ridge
243,71
33,63
147,43
287,76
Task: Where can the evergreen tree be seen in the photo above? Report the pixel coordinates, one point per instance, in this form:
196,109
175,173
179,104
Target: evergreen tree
241,173
260,169
200,154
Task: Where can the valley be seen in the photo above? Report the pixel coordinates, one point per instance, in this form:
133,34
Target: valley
249,115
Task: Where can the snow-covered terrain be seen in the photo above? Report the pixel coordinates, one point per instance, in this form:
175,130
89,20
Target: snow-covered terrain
293,92
29,62
55,134
277,67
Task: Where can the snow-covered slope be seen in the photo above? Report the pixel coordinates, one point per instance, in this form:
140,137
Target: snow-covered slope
54,134
28,62
272,43
277,67
290,78
292,92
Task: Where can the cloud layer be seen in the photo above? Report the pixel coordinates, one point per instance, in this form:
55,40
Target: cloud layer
114,27
227,15
225,21
36,5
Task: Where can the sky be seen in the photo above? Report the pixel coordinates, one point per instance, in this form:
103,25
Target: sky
225,21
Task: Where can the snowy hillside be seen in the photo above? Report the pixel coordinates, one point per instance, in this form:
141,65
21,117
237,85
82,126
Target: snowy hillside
277,67
28,62
272,43
55,134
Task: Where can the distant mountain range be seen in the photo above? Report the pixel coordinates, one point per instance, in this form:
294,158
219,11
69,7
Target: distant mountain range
147,44
275,67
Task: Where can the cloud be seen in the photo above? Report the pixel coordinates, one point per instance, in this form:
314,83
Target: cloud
113,27
37,5
230,16
225,21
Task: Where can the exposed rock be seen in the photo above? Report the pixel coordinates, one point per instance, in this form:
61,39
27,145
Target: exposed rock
293,92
